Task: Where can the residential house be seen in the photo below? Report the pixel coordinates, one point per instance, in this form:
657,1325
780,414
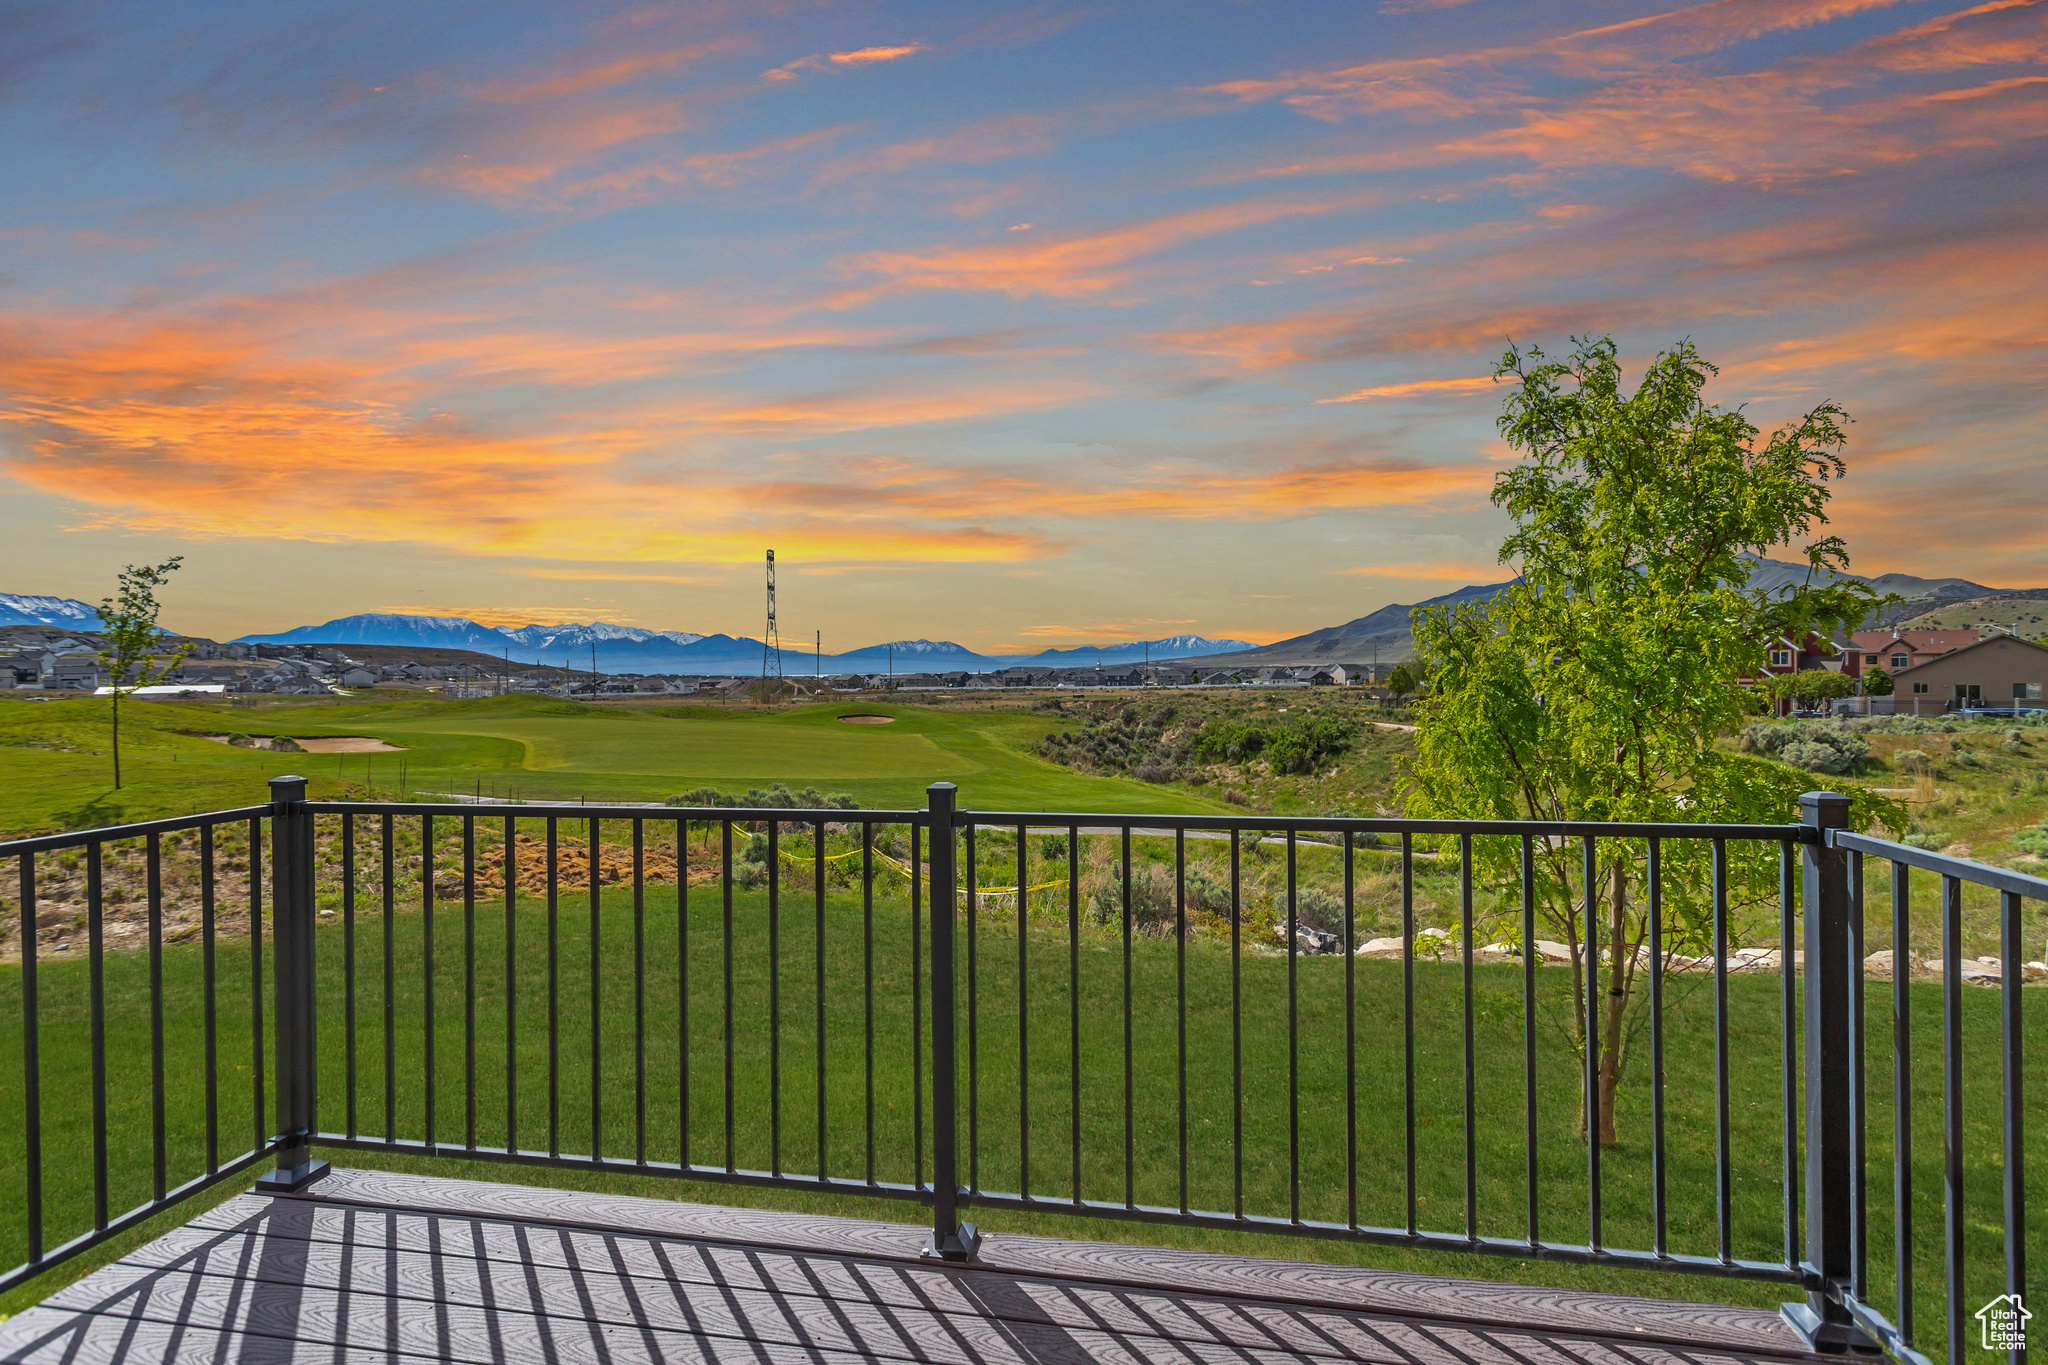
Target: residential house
21,667
1786,655
359,676
1999,672
1897,650
73,673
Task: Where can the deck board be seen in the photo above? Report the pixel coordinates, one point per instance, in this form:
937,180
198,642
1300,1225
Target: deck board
370,1266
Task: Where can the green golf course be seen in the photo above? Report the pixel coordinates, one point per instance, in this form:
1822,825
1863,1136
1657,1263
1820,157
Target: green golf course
56,769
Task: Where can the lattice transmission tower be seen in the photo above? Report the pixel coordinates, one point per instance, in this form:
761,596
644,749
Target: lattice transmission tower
771,639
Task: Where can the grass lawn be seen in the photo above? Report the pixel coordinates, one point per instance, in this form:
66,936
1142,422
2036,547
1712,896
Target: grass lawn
774,1106
55,772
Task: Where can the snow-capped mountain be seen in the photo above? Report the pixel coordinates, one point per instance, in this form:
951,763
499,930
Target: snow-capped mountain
391,628
548,637
20,610
933,650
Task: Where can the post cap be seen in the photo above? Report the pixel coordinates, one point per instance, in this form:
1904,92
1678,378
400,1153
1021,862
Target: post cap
1824,810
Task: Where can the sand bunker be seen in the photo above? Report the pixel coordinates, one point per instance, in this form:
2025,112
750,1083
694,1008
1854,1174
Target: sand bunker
338,744
867,720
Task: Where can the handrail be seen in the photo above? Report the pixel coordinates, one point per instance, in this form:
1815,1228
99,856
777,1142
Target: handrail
107,834
737,931
1948,865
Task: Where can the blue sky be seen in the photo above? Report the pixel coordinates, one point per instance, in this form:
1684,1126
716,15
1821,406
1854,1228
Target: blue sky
1025,325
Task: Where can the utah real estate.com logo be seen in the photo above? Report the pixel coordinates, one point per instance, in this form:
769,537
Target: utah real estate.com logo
2005,1323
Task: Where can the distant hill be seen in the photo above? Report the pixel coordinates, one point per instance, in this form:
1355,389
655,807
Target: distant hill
63,612
1387,634
2024,612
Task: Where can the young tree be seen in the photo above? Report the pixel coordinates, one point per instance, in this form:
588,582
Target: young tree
1877,683
133,638
1401,681
1809,686
1595,686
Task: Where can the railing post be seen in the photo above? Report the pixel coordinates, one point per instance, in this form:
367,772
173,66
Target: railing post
951,1239
1822,1322
291,908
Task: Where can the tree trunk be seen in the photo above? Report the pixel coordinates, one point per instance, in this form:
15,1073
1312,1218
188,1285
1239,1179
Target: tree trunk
117,735
1618,975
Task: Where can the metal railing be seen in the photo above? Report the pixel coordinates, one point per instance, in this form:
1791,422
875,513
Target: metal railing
871,1019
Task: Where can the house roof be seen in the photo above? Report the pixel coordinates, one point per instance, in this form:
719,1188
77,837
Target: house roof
1916,641
1975,644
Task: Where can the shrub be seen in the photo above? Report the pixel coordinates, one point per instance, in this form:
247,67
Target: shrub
1963,758
1922,839
1152,770
1816,757
1152,899
1207,893
1235,797
700,798
1318,908
1914,761
1817,746
282,744
1053,848
241,741
2034,840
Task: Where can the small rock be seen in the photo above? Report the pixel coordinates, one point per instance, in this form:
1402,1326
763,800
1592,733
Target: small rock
1551,951
1316,942
1380,947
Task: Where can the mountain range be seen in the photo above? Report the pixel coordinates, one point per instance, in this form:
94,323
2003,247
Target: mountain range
1385,634
631,649
64,612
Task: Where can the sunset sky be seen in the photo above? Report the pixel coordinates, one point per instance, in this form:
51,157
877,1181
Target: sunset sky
1022,325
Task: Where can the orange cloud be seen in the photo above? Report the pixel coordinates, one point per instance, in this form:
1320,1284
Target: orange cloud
826,61
1071,266
991,139
1418,388
1645,102
203,433
1167,492
587,75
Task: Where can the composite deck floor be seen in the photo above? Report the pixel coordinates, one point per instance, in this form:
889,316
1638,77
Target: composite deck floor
368,1266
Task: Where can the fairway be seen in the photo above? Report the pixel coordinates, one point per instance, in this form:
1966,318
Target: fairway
563,750
539,748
